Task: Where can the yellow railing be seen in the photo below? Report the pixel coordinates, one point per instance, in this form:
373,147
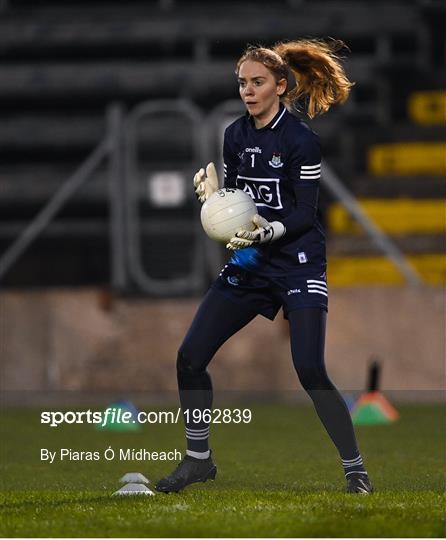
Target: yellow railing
407,158
345,271
428,107
393,216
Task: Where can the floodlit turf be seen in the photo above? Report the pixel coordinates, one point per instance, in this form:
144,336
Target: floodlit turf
278,476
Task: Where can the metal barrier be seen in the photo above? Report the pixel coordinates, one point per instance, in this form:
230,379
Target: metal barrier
118,146
194,281
62,195
119,272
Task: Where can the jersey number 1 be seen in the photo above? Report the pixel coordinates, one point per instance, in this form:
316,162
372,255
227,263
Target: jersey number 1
253,157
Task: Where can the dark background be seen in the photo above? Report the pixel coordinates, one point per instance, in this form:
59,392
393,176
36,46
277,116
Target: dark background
63,63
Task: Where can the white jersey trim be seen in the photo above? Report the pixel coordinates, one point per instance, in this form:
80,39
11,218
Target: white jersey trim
310,166
278,120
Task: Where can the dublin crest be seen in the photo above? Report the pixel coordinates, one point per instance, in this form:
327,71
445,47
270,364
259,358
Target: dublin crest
276,162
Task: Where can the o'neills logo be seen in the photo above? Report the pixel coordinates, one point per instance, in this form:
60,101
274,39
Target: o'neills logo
255,150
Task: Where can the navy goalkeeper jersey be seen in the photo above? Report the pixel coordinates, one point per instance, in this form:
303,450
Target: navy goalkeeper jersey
279,166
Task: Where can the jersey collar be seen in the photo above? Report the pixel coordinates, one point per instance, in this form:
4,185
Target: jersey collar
274,123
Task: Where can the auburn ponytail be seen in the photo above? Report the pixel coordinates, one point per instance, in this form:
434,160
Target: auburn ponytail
319,76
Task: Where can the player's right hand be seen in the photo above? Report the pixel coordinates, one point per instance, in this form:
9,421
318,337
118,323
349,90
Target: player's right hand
205,183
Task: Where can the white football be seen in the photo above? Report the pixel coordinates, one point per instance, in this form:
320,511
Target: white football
226,212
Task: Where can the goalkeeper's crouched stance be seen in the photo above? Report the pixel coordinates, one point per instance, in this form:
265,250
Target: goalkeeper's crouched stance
273,156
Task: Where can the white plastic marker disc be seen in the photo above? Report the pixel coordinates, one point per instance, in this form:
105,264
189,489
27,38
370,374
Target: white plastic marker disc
134,478
134,489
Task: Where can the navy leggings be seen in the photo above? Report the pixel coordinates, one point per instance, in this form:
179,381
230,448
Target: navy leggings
218,318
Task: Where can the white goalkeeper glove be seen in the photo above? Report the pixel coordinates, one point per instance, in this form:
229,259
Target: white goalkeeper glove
206,183
265,233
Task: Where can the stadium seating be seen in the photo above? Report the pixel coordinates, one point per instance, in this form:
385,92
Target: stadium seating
63,63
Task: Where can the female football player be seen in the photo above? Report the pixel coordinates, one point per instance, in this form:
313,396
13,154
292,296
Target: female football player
274,157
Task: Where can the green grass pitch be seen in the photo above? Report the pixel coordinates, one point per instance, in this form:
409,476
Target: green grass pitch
279,476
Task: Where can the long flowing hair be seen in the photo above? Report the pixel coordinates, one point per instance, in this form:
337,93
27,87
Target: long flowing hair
312,68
